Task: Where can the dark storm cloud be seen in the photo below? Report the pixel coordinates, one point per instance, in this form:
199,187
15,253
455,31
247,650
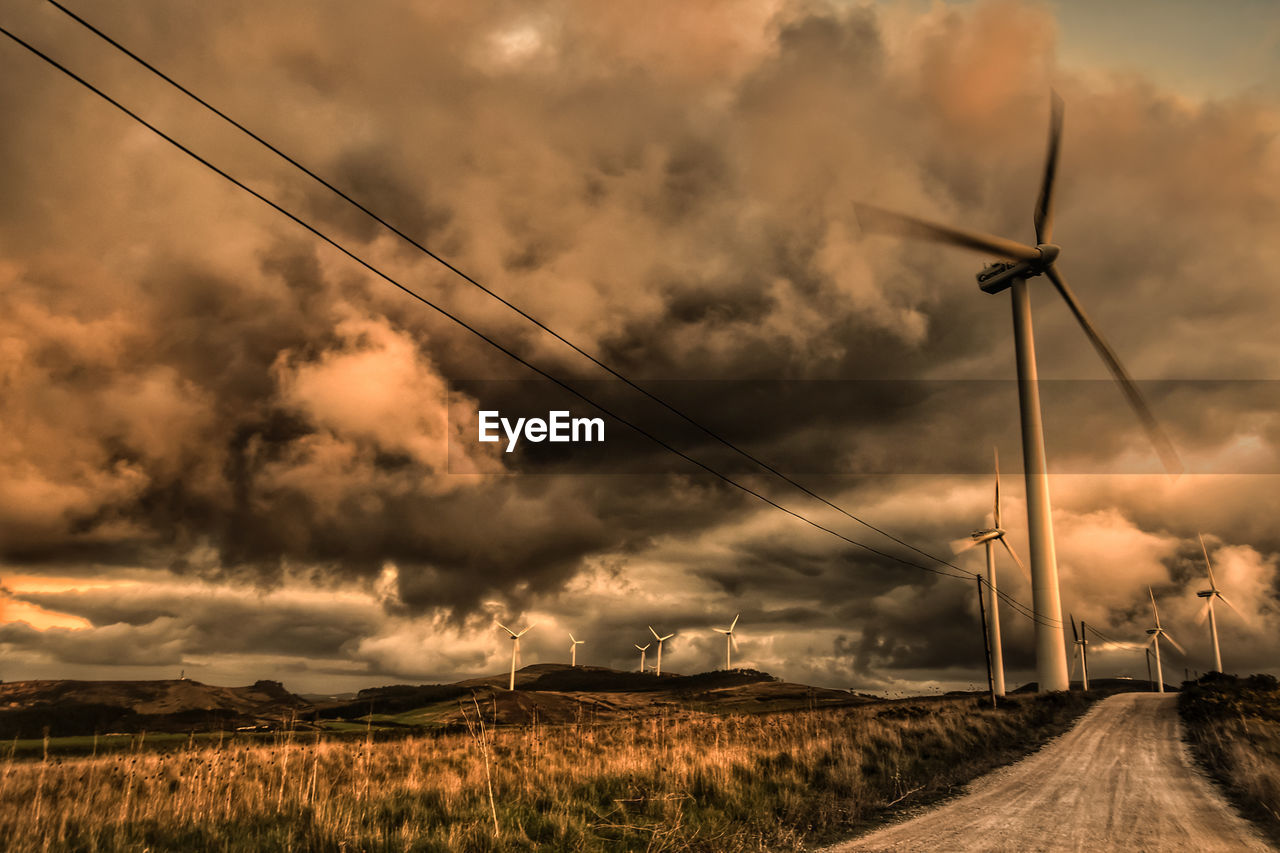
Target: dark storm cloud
198,385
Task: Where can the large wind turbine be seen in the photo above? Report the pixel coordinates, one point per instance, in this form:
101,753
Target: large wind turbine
1081,652
986,537
1156,633
729,642
573,650
1209,595
642,649
515,650
1025,262
658,669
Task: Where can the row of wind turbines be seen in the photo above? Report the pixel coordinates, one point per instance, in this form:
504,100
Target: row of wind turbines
996,533
730,646
1020,264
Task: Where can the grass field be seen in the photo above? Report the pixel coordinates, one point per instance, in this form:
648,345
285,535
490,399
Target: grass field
1233,725
732,783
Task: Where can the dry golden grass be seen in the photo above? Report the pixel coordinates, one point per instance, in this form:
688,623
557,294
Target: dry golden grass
693,783
1233,725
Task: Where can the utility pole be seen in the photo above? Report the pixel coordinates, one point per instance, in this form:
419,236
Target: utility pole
986,638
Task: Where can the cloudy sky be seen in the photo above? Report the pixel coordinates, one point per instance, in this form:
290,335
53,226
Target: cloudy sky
228,448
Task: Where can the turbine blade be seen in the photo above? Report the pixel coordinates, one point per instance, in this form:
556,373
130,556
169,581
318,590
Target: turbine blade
1208,565
1154,609
877,219
1014,554
1155,433
996,515
508,630
1174,643
734,623
526,630
733,641
959,546
1238,611
722,630
1044,203
1074,635
1204,611
1075,658
663,639
655,633
573,640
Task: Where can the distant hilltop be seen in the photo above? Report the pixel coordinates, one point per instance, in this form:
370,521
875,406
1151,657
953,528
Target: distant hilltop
546,692
28,708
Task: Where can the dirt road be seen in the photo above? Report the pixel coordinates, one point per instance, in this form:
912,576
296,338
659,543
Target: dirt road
1120,780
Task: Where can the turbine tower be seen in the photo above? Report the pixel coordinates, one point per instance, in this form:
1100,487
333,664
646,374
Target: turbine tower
986,537
729,642
1025,262
1156,633
1081,653
1209,595
658,669
642,649
515,650
573,650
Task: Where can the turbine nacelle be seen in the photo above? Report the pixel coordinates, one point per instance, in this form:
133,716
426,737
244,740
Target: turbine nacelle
999,276
980,536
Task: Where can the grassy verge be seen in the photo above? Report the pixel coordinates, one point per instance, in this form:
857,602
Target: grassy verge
737,783
1233,726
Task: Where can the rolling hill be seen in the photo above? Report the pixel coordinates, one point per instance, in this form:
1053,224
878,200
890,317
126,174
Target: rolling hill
547,693
30,708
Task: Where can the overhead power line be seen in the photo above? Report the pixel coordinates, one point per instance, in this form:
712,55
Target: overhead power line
961,575
1112,640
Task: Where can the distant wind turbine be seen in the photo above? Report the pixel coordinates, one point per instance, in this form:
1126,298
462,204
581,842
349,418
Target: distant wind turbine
573,650
986,537
658,669
515,650
1209,595
1081,652
1156,633
730,643
642,649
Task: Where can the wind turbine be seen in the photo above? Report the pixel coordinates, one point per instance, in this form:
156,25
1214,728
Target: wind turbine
515,650
573,650
729,642
642,649
986,537
1081,652
1025,262
661,640
1209,595
1156,633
